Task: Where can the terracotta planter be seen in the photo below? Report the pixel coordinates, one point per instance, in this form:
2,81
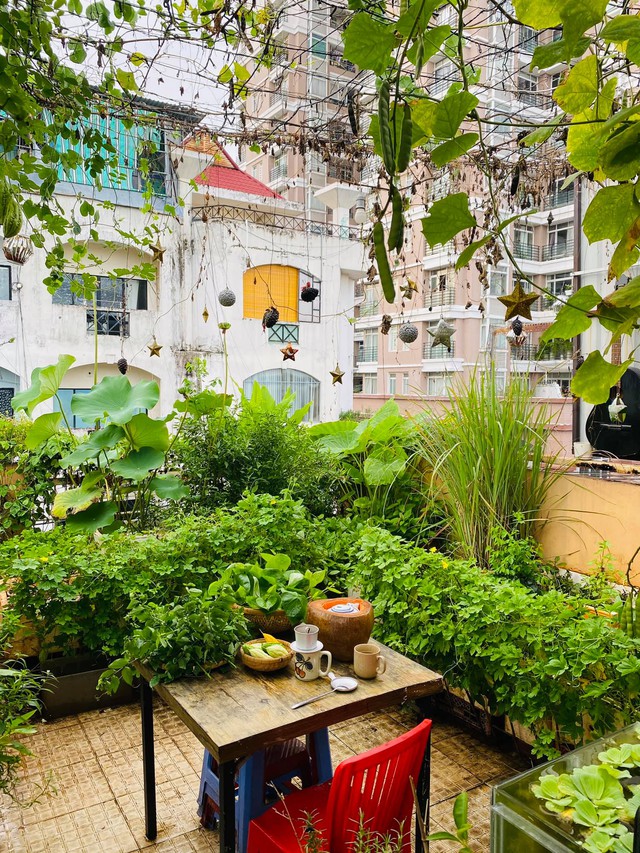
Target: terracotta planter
340,632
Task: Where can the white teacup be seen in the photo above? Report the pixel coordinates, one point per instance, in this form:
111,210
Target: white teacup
307,666
306,637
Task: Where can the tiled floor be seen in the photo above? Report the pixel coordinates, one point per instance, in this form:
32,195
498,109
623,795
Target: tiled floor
92,766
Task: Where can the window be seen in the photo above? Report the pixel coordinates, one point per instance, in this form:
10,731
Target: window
523,241
559,284
64,397
497,282
443,76
559,241
117,294
280,168
357,383
370,304
528,89
5,283
271,284
437,384
391,386
151,167
556,79
9,384
278,381
284,333
318,46
527,39
370,384
405,383
393,338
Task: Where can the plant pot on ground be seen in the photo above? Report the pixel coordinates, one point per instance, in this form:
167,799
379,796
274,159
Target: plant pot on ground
71,686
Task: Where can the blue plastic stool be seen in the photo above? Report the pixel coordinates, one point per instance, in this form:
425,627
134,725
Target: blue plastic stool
261,776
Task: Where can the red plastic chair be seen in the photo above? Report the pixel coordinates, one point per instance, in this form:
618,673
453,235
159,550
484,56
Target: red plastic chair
374,785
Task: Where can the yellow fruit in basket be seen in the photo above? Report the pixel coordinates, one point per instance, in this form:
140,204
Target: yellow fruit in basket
257,652
269,638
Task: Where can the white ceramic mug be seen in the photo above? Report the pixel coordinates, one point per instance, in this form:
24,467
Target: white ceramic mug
367,661
306,637
306,665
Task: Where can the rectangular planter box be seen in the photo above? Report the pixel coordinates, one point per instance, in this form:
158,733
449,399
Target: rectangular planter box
520,822
73,689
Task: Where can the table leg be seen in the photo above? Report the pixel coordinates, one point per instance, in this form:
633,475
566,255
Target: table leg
424,796
148,761
227,777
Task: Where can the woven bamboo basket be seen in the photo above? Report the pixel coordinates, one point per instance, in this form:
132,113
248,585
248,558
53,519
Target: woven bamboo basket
266,665
269,623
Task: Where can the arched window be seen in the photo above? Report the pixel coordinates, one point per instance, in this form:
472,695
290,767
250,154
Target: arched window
9,384
279,380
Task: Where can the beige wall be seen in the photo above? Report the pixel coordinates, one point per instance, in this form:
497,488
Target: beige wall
582,512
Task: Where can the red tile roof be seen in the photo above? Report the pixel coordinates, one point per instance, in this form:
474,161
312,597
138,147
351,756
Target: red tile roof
224,174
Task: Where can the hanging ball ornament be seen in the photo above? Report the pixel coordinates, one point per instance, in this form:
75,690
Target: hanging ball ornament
408,333
18,249
226,298
270,318
123,365
308,293
517,327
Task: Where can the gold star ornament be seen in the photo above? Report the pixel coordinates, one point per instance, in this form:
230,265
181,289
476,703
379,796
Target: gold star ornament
288,352
158,252
442,334
337,375
154,348
518,303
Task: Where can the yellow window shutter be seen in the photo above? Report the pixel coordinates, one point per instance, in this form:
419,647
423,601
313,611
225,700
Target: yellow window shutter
271,284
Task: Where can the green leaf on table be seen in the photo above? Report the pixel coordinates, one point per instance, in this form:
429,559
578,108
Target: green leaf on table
73,500
453,148
612,211
169,487
620,154
446,218
115,398
539,14
102,439
595,378
383,466
573,318
144,431
622,28
554,52
138,463
45,383
42,429
580,89
89,520
466,254
368,43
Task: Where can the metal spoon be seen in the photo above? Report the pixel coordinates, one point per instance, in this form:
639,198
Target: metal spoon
343,684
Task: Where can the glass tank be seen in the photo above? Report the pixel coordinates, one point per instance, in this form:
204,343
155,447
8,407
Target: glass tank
520,822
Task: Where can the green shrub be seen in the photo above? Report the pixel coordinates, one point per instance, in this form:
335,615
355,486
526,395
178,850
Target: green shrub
533,656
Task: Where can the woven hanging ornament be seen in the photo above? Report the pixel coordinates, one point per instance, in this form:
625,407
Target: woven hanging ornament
123,365
226,298
270,318
408,333
517,327
308,293
386,324
18,249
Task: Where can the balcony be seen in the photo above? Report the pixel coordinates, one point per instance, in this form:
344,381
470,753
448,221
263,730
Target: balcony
560,351
526,251
438,298
563,249
342,172
535,99
336,58
369,309
559,198
109,322
430,353
278,172
367,354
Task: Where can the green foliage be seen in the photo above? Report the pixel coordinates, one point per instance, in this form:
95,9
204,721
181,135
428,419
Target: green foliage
461,821
185,638
260,447
533,656
276,586
19,691
486,463
514,556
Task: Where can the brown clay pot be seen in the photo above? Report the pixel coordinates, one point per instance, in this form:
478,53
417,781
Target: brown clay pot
340,632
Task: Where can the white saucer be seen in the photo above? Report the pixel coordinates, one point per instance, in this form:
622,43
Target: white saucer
317,648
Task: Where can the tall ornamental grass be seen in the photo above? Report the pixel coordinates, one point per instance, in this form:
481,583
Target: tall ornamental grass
486,463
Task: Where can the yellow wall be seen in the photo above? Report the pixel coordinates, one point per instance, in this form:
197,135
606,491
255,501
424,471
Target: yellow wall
271,284
584,511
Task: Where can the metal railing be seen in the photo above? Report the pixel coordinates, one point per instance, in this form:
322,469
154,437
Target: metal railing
440,351
336,58
557,250
341,172
109,322
222,212
535,99
367,353
559,198
369,309
439,249
277,172
534,352
526,251
438,298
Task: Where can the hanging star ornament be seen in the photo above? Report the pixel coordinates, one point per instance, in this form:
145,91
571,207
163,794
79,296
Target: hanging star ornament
337,375
154,348
158,252
518,302
288,352
442,334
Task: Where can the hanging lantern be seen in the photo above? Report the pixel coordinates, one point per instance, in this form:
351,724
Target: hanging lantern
270,318
226,298
308,293
408,333
18,249
123,365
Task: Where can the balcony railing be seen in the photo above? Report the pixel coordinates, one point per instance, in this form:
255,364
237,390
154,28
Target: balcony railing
369,309
343,172
438,298
559,198
535,99
278,172
367,353
557,250
526,251
430,353
109,322
336,58
533,352
222,212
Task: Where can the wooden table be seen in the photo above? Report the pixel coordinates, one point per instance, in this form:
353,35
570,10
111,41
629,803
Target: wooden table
237,712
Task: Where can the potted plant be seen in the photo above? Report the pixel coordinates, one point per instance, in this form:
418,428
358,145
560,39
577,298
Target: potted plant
274,596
